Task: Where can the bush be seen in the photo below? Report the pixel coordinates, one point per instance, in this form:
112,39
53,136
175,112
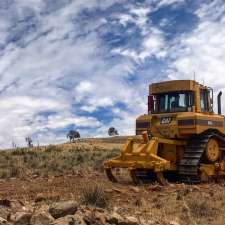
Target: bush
52,148
14,172
201,208
94,195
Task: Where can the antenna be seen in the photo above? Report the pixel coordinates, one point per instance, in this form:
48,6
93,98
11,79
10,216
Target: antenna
194,76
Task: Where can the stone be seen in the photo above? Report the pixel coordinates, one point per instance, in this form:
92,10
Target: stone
89,218
79,220
135,189
114,218
41,218
17,206
100,210
4,212
129,221
94,217
155,188
100,217
61,209
2,221
69,220
173,222
40,197
22,218
120,191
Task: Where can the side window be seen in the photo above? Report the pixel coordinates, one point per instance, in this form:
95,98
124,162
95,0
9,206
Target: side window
204,100
182,102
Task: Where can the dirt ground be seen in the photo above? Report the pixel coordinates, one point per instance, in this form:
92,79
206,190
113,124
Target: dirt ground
197,204
183,204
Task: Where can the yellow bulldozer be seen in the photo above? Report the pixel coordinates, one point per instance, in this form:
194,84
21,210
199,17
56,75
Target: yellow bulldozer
181,136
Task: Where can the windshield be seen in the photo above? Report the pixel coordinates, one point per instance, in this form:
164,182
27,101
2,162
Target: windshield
172,102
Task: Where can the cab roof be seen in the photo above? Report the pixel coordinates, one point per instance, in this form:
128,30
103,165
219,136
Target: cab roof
175,85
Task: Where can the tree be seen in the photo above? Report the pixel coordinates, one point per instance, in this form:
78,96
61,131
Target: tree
112,131
14,145
29,142
73,135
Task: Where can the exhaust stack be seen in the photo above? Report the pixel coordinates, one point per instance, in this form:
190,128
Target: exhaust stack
219,102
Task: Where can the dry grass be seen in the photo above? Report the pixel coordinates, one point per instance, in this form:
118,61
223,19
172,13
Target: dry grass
53,160
94,194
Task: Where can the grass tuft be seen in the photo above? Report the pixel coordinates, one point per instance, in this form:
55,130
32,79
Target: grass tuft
94,195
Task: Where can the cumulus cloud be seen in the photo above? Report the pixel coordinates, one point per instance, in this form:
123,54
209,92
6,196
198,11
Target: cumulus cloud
202,52
87,64
153,45
52,67
174,3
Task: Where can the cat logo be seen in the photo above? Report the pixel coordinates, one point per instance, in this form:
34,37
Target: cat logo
166,120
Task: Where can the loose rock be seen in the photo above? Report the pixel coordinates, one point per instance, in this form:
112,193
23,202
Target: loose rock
79,220
68,220
2,221
4,212
41,218
129,221
22,218
114,218
135,189
174,223
62,209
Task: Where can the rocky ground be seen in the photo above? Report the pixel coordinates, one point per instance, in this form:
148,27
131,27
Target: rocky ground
81,194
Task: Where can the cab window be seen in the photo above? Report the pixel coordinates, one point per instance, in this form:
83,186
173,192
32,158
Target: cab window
173,102
204,100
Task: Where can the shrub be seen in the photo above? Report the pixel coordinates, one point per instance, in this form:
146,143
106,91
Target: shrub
14,172
52,148
4,173
94,195
201,208
80,159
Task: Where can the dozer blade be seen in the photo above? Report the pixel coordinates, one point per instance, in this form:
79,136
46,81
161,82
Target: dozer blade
134,177
142,160
110,175
161,179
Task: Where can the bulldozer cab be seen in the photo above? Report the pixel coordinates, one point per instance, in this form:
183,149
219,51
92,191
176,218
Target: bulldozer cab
167,97
170,102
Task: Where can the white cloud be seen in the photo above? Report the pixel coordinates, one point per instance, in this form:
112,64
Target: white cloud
56,67
84,86
57,64
61,121
153,45
202,51
18,114
174,3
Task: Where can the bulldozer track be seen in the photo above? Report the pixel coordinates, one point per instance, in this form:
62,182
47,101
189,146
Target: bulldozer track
190,163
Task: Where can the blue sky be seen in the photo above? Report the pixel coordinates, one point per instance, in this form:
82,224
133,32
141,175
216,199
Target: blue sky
86,65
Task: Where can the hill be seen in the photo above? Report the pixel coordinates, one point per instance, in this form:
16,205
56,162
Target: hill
38,177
